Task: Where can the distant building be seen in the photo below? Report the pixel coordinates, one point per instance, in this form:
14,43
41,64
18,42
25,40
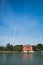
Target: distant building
27,48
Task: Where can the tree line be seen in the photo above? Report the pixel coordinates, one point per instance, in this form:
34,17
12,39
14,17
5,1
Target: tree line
10,47
38,47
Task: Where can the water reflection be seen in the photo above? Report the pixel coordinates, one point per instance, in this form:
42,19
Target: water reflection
21,59
27,55
24,55
27,58
31,55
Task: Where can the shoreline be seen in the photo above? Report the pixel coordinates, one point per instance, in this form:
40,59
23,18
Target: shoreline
8,51
14,51
18,52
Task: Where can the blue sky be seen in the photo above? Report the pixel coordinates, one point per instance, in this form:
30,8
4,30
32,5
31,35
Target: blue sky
21,21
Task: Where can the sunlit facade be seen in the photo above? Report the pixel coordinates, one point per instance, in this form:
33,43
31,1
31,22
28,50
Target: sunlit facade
27,48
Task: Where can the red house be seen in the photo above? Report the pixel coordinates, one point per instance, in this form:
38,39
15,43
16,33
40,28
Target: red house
27,48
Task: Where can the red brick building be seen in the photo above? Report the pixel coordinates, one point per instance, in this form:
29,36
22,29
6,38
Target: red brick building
27,48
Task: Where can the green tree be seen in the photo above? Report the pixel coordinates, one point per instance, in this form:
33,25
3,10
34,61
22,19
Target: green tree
18,48
40,46
9,47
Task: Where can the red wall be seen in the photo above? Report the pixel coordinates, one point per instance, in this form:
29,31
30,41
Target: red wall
25,48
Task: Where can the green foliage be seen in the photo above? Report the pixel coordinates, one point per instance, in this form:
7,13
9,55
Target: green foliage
18,48
13,48
34,48
40,46
9,47
2,48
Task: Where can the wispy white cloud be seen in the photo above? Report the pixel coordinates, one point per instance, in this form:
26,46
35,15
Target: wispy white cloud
18,29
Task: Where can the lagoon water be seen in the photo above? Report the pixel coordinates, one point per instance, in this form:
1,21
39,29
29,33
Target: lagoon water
21,59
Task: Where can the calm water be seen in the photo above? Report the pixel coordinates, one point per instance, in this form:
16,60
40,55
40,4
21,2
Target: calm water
21,59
